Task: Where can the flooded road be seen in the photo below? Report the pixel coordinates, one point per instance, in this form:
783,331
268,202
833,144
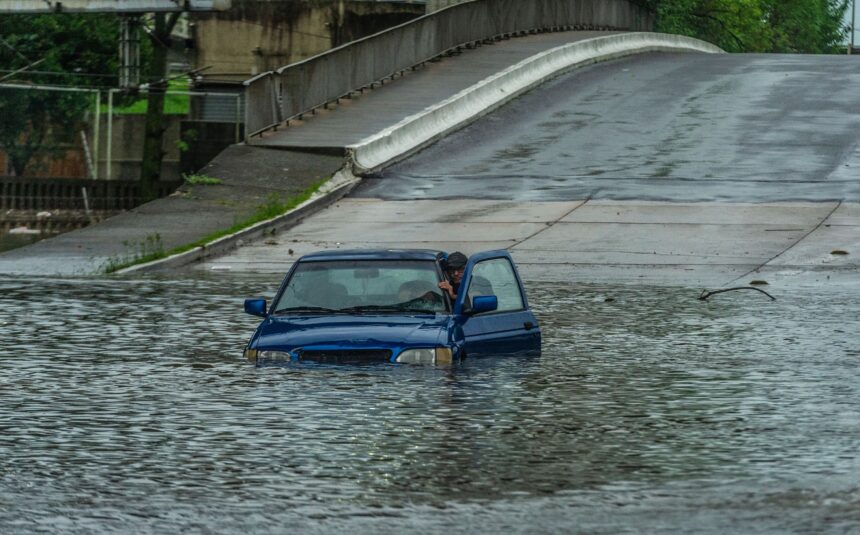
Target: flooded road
126,406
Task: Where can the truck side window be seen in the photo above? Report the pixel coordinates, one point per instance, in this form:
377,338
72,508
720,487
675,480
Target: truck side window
496,277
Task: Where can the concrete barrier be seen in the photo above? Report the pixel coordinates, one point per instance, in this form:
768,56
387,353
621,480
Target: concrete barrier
417,131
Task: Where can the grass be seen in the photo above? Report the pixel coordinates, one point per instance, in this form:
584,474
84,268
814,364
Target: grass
198,179
273,207
173,104
146,250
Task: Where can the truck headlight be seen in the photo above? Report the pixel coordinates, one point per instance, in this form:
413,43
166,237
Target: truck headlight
439,355
254,355
274,355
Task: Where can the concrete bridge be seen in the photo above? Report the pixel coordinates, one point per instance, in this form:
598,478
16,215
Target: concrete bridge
655,165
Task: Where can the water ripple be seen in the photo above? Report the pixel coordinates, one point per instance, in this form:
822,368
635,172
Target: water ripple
126,405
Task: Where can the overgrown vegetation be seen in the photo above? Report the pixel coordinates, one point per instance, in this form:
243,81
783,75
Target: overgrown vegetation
198,179
785,26
78,50
186,138
173,104
65,50
149,249
274,206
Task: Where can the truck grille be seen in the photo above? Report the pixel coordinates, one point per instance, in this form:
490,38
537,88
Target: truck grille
346,356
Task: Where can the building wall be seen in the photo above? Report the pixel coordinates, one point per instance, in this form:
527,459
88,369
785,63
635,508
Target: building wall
259,35
127,147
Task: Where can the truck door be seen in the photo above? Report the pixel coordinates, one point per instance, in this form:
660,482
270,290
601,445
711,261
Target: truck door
511,329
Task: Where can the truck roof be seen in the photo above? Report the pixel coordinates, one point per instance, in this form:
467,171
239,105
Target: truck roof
373,254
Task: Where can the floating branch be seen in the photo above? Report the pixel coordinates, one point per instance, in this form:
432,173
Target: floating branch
706,294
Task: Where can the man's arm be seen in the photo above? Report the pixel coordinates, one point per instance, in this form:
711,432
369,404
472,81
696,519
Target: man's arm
446,287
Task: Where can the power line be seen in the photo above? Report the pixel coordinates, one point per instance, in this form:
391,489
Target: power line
22,69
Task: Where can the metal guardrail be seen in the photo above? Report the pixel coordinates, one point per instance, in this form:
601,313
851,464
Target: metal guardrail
278,96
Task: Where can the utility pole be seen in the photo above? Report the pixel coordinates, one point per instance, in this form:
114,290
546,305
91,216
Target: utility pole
129,51
853,25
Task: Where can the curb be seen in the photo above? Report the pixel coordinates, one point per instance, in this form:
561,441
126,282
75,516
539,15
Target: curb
417,131
330,192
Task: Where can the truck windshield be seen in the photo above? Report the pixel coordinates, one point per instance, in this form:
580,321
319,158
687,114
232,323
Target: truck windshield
363,286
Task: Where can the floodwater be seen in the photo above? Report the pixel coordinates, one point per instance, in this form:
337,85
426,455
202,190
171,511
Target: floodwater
125,406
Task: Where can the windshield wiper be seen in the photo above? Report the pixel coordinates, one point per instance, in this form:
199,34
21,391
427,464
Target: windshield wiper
299,310
373,308
386,308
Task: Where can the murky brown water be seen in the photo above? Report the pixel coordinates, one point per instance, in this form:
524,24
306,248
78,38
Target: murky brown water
126,406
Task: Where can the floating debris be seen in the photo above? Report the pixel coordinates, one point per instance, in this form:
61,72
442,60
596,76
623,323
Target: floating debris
24,230
706,294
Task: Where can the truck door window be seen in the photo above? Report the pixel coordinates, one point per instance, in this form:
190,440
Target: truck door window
496,277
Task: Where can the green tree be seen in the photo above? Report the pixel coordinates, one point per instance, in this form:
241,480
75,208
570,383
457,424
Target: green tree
72,50
795,26
153,153
806,26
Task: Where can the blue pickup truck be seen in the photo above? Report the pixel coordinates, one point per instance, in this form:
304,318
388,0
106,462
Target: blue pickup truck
386,306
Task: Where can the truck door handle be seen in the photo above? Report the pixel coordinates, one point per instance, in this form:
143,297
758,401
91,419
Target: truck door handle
529,325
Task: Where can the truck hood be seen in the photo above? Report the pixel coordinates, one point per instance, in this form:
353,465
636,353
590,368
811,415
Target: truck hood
287,333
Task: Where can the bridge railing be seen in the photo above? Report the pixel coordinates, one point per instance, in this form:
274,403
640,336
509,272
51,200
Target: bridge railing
278,96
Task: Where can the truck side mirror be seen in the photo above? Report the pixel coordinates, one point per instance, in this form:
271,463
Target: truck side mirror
255,307
484,303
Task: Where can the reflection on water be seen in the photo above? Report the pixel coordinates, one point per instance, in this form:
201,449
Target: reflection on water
126,405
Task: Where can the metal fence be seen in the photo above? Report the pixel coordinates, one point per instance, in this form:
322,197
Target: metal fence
278,96
73,194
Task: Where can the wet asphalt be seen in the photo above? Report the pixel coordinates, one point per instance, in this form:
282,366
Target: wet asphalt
665,127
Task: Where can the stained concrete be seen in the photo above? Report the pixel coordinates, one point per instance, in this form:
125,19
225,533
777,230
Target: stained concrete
707,245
